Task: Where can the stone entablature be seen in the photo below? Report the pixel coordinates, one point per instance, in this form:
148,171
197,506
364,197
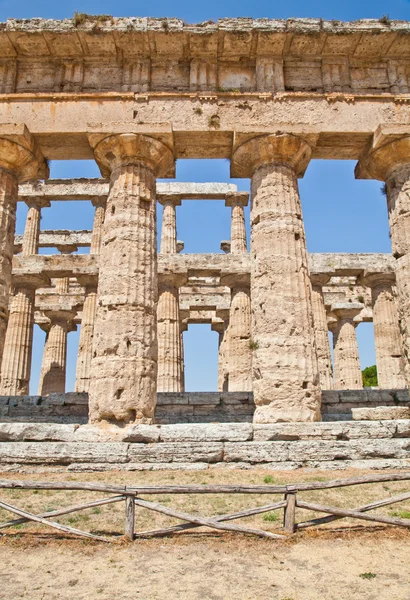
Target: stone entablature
249,55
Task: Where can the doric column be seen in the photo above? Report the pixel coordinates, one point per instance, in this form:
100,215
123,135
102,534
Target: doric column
20,160
387,337
53,367
389,160
169,224
169,334
324,358
183,327
286,381
124,365
16,365
221,326
99,216
239,353
168,318
32,229
237,201
347,372
85,345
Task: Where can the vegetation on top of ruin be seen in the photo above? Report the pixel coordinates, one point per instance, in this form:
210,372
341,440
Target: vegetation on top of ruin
81,18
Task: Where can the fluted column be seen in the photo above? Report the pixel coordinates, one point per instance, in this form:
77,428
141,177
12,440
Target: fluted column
168,318
324,358
32,229
221,327
20,160
389,160
285,381
16,365
169,335
85,344
99,216
237,201
183,327
53,367
387,337
347,372
124,365
239,352
169,224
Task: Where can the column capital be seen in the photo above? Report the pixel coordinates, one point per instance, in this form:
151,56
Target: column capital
275,148
344,312
67,248
218,326
320,279
20,154
61,315
89,282
236,199
236,281
226,246
384,157
99,201
374,280
166,280
117,150
33,281
170,200
37,202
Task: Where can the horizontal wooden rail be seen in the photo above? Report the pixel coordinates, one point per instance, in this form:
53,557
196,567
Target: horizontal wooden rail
131,496
204,489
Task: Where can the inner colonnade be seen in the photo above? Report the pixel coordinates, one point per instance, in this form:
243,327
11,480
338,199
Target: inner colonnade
267,95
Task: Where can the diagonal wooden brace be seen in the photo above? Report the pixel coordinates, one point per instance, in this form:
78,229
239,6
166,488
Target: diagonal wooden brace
65,528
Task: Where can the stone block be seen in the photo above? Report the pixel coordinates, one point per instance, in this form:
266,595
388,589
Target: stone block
381,413
76,398
330,397
54,400
39,432
237,398
204,432
146,434
205,398
4,400
165,398
323,450
176,452
62,453
101,467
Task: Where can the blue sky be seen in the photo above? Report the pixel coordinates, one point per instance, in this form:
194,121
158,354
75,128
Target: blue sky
209,10
341,214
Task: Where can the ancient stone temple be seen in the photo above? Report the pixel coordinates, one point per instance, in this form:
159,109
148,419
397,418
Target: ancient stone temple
136,95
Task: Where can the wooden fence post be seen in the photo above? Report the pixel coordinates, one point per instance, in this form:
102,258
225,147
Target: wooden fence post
289,513
129,517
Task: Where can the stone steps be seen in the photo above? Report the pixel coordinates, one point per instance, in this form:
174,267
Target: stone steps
370,444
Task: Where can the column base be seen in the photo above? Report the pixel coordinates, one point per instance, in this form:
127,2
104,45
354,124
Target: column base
271,414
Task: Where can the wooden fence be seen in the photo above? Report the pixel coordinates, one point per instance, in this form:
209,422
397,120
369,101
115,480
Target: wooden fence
132,497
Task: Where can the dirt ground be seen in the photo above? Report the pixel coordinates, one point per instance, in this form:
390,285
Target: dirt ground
342,561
